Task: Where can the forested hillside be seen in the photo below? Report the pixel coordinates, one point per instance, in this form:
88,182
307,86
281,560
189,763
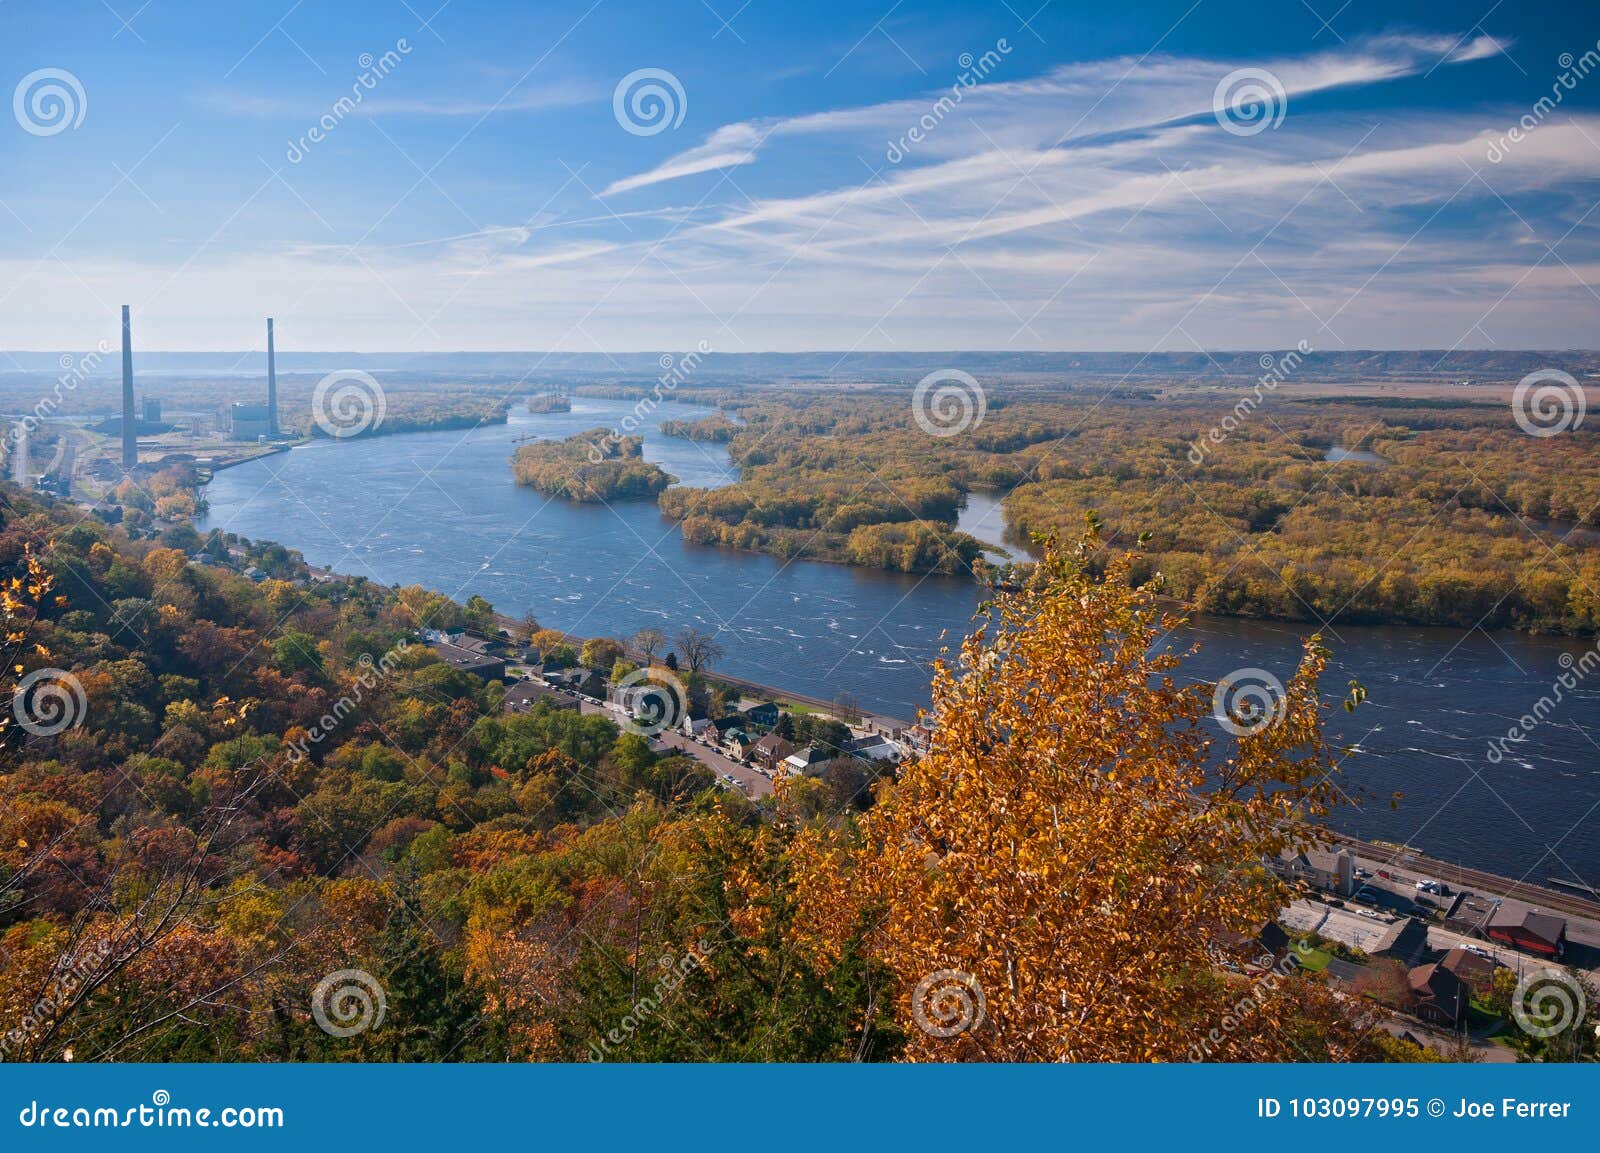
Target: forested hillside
255,821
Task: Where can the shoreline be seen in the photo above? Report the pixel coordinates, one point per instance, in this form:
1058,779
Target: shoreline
1459,875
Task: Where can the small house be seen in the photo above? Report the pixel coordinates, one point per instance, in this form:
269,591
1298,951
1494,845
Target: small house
873,748
490,668
699,728
585,682
1437,995
1475,970
762,714
1332,871
771,751
1404,941
805,760
886,727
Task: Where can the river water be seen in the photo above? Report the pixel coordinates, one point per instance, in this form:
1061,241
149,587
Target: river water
441,509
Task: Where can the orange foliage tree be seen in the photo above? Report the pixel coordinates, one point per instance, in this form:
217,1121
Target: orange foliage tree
1049,881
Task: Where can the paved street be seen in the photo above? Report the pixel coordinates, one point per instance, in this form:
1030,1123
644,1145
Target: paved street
746,779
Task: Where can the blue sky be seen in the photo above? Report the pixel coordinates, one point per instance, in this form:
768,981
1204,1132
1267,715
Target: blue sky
1086,191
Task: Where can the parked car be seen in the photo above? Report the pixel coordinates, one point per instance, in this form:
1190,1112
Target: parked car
1428,886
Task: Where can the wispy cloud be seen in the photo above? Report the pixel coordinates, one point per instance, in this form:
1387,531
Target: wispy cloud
1070,102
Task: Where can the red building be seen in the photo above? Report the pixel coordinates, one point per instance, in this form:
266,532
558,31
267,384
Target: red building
1532,930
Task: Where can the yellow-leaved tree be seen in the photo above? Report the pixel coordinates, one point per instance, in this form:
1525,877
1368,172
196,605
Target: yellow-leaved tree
1051,880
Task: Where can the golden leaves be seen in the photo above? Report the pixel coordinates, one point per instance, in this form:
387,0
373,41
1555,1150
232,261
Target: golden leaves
1057,849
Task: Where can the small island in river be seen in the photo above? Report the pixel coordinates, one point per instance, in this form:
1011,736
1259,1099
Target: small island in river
594,466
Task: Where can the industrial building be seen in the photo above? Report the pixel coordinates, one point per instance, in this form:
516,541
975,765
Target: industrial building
250,422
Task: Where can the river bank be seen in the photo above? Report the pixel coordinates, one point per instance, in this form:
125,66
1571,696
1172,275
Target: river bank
441,510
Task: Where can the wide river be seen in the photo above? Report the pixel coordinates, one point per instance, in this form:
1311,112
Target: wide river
441,509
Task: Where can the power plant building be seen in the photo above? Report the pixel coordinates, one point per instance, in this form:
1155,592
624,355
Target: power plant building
250,422
272,383
130,424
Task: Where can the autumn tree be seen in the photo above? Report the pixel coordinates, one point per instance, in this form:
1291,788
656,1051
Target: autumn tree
649,642
1047,882
600,653
700,649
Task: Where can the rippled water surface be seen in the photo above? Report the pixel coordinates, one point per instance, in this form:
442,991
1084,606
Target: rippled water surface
441,509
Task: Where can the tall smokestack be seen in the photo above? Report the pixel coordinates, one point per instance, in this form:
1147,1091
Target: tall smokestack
272,383
130,424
